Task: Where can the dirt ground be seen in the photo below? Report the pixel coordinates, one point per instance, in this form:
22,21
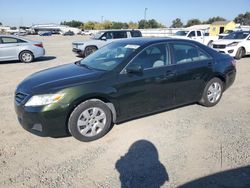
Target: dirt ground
207,147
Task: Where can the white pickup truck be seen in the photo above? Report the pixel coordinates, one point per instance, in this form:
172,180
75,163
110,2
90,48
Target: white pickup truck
197,35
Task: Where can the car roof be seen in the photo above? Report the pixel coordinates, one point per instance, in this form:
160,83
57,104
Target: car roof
110,30
147,41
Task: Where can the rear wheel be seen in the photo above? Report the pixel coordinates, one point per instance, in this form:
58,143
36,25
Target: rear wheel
212,93
89,50
90,120
26,56
240,53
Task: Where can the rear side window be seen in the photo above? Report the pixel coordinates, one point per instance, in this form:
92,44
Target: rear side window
187,53
198,33
135,33
7,40
119,34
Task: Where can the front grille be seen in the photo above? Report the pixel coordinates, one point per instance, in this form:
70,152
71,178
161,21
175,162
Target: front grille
219,46
20,97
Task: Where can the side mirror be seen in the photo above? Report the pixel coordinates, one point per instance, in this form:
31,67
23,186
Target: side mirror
137,69
103,38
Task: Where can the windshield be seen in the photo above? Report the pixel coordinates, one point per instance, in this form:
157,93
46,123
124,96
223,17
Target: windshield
181,33
237,35
109,57
97,35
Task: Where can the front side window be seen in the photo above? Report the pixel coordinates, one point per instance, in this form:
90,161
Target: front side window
7,40
191,34
186,53
108,35
198,33
109,57
119,34
152,57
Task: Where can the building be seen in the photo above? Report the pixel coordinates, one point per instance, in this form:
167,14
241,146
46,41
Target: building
219,27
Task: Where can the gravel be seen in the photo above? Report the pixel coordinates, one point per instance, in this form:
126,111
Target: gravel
191,146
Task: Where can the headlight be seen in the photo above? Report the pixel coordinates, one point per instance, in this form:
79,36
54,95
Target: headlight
233,44
39,100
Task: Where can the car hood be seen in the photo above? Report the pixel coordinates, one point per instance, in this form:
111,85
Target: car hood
226,41
57,78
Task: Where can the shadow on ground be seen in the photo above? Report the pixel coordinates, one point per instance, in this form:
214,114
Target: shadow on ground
140,167
235,178
39,59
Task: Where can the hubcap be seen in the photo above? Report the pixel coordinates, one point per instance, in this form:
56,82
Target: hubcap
214,92
91,121
26,57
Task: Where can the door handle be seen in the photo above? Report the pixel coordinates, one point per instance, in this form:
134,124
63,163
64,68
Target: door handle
170,74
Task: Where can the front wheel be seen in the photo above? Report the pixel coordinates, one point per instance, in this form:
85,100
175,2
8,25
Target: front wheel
90,120
212,93
89,50
240,53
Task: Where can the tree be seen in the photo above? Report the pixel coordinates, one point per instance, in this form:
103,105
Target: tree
177,23
143,24
192,22
243,19
73,23
214,19
119,25
1,23
132,25
107,24
89,25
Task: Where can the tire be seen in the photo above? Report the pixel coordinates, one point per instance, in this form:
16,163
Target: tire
89,50
26,56
212,93
90,120
210,44
240,53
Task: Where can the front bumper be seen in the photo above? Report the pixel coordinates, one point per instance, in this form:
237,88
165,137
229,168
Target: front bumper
228,50
43,121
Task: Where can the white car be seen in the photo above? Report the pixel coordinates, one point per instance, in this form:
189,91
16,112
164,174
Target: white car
236,44
197,35
16,48
102,38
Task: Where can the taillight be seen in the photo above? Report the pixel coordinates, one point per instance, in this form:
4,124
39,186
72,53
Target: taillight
39,45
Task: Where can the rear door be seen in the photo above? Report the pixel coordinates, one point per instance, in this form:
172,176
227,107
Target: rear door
199,36
9,48
193,67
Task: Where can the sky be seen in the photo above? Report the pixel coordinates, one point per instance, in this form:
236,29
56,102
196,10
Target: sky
28,12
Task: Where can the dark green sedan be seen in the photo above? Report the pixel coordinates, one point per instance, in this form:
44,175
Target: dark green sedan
125,79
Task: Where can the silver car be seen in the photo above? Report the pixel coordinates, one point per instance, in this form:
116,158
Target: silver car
16,48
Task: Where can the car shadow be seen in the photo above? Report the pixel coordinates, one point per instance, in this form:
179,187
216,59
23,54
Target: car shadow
140,167
234,178
44,58
39,59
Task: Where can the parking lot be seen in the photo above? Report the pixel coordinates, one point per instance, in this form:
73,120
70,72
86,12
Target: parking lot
167,149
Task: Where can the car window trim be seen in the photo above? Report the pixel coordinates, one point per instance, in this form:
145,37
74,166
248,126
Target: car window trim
191,44
123,71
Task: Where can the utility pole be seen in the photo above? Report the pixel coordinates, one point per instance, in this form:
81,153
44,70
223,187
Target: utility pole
145,14
102,18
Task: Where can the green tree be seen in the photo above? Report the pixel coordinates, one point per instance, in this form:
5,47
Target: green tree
132,25
214,19
73,23
1,23
143,24
119,25
107,24
192,22
177,23
243,19
89,25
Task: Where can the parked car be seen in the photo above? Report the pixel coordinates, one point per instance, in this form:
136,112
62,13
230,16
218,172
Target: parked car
84,48
122,80
16,48
45,33
197,35
236,44
69,33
